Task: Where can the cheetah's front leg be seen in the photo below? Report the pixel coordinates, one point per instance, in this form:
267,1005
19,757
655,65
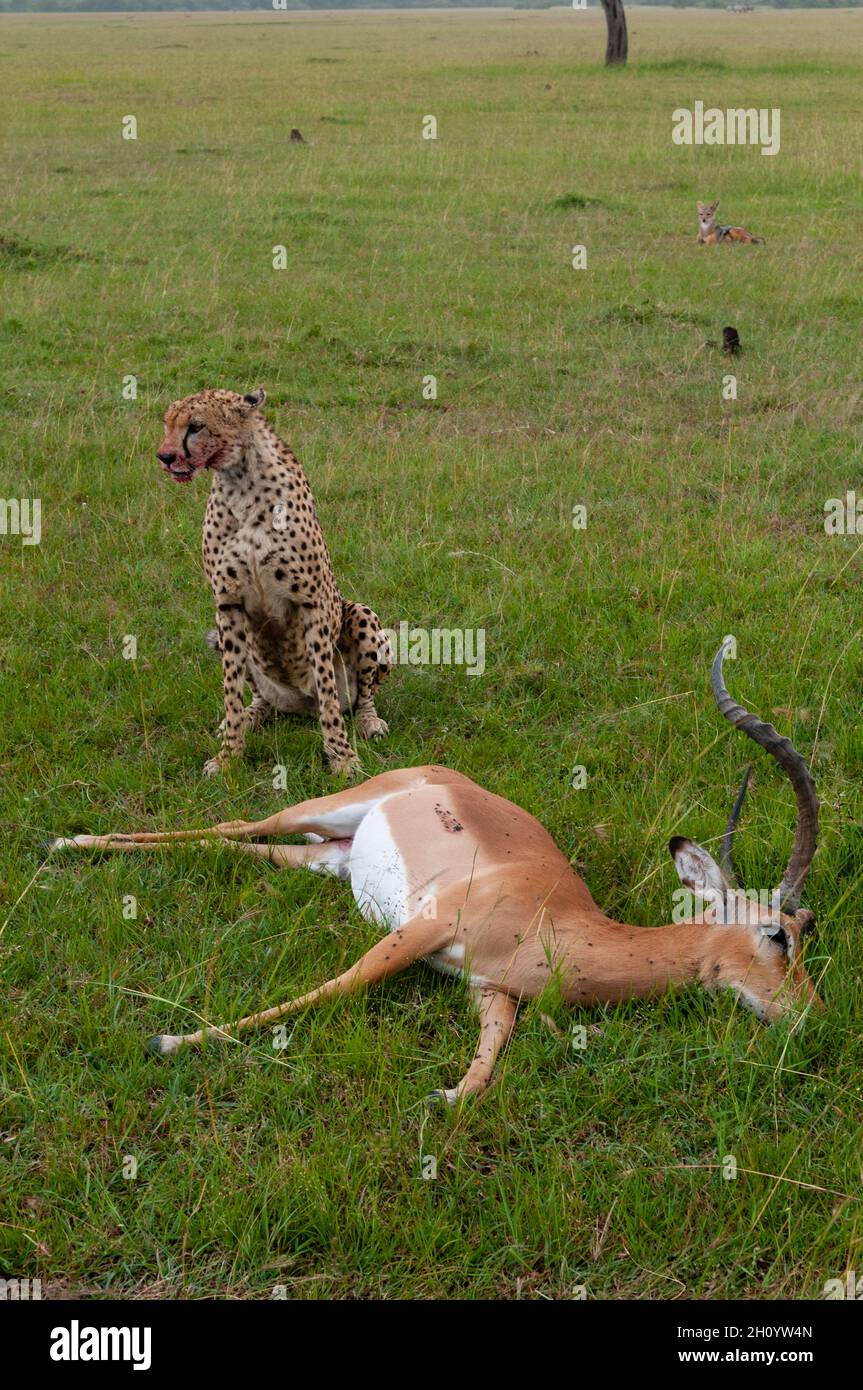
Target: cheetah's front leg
232,634
372,658
337,749
254,715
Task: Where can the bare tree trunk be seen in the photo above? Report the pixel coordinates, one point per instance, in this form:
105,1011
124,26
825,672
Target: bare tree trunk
615,18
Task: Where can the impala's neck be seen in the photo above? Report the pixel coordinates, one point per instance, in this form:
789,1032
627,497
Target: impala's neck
687,949
612,961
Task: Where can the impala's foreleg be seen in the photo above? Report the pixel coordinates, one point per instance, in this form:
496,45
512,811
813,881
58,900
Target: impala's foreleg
393,954
497,1019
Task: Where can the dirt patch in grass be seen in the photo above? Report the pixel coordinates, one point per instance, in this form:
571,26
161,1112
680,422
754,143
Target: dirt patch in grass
18,254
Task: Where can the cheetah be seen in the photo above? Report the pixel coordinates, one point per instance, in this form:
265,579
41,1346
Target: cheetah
283,624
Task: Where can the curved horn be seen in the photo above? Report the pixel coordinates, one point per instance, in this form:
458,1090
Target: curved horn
792,763
726,854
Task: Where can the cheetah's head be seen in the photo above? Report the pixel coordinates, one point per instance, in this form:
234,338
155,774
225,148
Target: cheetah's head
207,430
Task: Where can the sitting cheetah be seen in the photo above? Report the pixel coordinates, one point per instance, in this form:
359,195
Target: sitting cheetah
282,622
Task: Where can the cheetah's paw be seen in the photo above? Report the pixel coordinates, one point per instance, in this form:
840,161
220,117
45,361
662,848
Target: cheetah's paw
372,726
213,766
347,766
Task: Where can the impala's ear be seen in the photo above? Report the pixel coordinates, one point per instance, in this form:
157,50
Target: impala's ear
256,398
698,871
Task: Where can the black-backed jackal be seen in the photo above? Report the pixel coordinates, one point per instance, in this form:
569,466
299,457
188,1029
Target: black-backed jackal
709,233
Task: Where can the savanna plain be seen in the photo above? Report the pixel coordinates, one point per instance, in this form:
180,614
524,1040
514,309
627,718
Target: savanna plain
600,1168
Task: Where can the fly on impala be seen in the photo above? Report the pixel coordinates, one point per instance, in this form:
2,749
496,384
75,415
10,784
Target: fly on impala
475,886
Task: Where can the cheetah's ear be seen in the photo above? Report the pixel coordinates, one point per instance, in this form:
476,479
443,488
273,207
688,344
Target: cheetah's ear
256,398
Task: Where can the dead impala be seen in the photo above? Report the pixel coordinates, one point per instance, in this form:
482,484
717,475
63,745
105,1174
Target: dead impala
473,885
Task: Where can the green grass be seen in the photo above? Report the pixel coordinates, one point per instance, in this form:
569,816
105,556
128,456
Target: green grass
555,387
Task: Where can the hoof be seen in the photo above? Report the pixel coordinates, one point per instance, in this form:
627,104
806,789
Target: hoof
69,842
163,1044
77,842
436,1098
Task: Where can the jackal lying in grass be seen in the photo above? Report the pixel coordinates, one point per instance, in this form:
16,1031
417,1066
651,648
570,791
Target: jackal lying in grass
709,233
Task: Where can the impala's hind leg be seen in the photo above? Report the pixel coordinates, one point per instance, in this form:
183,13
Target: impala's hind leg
324,857
333,817
393,954
147,839
497,1019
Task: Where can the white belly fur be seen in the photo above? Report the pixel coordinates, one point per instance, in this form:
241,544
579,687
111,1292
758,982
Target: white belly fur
382,890
378,876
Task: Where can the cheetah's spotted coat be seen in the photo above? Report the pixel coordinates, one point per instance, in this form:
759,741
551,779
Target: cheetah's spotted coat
282,622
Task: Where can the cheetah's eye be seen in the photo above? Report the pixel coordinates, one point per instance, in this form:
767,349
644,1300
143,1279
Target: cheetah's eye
194,427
